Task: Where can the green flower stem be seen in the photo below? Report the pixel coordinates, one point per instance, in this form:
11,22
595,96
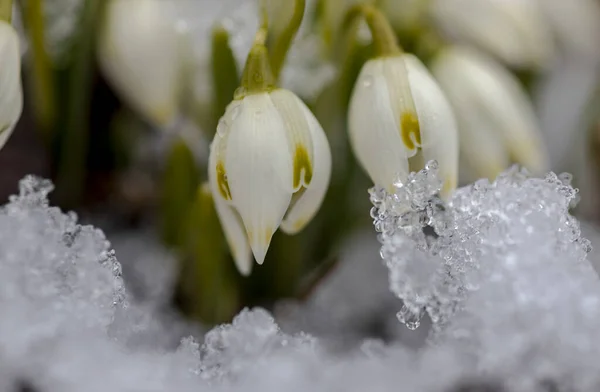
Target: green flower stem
225,73
257,76
180,181
385,42
6,10
70,176
279,44
42,75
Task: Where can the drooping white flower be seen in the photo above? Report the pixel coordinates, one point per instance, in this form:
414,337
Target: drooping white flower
512,30
397,109
496,119
140,52
11,91
269,166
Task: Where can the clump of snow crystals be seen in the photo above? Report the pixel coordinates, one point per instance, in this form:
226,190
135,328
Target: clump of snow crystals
500,268
502,271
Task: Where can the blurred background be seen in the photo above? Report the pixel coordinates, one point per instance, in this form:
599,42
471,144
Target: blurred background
122,99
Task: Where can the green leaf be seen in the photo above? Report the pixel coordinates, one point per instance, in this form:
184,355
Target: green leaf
179,185
224,74
207,287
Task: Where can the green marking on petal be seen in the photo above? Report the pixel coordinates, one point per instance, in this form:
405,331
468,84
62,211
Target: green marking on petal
4,128
410,130
222,181
302,163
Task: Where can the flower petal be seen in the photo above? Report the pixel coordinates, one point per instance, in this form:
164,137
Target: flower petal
373,128
139,52
576,24
11,92
506,106
304,209
230,220
438,125
259,170
481,145
299,139
514,31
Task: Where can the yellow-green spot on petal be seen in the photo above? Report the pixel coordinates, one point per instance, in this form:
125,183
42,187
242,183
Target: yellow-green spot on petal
222,181
410,130
302,163
4,128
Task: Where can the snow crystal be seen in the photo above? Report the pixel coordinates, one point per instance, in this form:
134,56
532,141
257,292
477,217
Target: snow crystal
53,263
500,268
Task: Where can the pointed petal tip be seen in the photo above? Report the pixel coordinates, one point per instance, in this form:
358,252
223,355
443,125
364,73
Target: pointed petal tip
260,244
243,264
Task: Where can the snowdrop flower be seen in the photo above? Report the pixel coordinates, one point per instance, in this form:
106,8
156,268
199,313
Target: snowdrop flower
11,92
269,164
496,119
512,30
398,112
139,52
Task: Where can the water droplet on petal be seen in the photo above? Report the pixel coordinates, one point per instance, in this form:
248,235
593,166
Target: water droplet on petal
367,81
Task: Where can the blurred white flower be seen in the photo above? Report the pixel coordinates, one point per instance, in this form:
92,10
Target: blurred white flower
512,30
396,109
140,52
11,91
269,166
495,117
575,23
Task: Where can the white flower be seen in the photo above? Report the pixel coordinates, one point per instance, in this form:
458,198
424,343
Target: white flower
269,166
11,92
396,109
575,23
512,30
496,119
140,53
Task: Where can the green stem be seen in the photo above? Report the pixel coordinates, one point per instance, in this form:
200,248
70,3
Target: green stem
383,35
257,76
6,10
70,177
43,83
281,45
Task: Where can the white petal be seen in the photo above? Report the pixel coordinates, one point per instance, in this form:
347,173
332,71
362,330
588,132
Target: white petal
299,139
139,52
11,92
259,170
373,128
503,101
481,144
576,24
514,31
230,220
308,204
439,135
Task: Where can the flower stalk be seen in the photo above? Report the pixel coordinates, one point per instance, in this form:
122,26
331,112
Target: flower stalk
6,10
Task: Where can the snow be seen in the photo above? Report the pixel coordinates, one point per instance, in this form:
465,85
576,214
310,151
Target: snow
501,269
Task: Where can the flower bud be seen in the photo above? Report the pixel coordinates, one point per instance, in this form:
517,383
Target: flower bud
397,111
11,91
496,119
269,166
139,52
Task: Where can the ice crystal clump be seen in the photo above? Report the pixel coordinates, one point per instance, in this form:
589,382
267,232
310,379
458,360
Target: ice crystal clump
54,264
501,269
